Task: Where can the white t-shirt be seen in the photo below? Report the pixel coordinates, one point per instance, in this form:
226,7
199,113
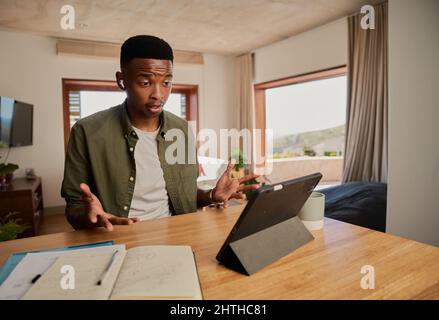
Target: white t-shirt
150,199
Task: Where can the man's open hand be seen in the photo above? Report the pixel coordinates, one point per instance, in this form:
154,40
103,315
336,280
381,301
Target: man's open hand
96,213
227,188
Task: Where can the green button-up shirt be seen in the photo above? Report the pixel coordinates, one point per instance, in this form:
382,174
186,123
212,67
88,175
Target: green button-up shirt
100,153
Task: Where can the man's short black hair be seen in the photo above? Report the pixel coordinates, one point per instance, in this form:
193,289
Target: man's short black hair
145,47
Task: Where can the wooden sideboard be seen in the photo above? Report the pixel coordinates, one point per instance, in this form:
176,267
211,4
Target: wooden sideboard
26,197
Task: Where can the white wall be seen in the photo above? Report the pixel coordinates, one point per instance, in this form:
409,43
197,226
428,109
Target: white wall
413,193
219,85
317,49
32,72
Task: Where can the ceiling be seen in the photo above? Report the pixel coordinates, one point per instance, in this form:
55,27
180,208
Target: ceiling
214,26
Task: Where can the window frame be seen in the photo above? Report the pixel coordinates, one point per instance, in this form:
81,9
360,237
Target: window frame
260,101
68,84
191,93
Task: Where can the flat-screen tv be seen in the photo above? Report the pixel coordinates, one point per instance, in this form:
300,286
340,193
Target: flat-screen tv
16,122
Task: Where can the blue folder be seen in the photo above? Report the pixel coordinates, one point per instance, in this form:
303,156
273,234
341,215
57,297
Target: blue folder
15,258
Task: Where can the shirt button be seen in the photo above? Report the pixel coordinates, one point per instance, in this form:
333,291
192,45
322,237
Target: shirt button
125,208
131,149
131,179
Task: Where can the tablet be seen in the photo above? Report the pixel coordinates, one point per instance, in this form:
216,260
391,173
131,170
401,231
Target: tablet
270,205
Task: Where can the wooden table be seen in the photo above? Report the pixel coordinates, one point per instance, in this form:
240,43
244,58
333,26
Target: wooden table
326,268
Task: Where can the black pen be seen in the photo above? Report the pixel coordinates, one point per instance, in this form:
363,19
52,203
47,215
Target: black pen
35,278
107,269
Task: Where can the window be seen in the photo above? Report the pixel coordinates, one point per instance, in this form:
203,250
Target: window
306,113
82,98
183,102
307,116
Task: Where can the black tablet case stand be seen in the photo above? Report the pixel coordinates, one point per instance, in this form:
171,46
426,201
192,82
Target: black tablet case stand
252,253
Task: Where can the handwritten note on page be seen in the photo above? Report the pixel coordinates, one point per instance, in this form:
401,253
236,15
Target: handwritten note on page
87,268
158,272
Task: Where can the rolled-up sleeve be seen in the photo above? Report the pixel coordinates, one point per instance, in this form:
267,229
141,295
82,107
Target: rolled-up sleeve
76,171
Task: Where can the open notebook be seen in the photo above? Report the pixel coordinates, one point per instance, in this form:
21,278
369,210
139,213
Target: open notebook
146,272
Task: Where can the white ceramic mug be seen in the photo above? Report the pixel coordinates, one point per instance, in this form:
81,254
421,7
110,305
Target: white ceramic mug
313,211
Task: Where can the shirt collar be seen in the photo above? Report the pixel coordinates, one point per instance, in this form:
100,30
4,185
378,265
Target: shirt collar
128,127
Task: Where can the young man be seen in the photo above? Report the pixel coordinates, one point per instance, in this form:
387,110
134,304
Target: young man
116,171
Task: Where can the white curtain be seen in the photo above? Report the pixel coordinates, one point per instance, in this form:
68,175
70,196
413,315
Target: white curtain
366,125
244,99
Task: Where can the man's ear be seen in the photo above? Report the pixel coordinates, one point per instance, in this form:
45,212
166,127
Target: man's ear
120,80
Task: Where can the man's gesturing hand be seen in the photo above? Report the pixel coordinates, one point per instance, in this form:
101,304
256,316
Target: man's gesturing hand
227,187
96,213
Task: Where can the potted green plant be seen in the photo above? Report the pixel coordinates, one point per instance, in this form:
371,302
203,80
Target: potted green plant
238,168
6,169
239,171
10,227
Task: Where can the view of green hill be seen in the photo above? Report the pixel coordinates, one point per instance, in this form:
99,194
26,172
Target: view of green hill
326,140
